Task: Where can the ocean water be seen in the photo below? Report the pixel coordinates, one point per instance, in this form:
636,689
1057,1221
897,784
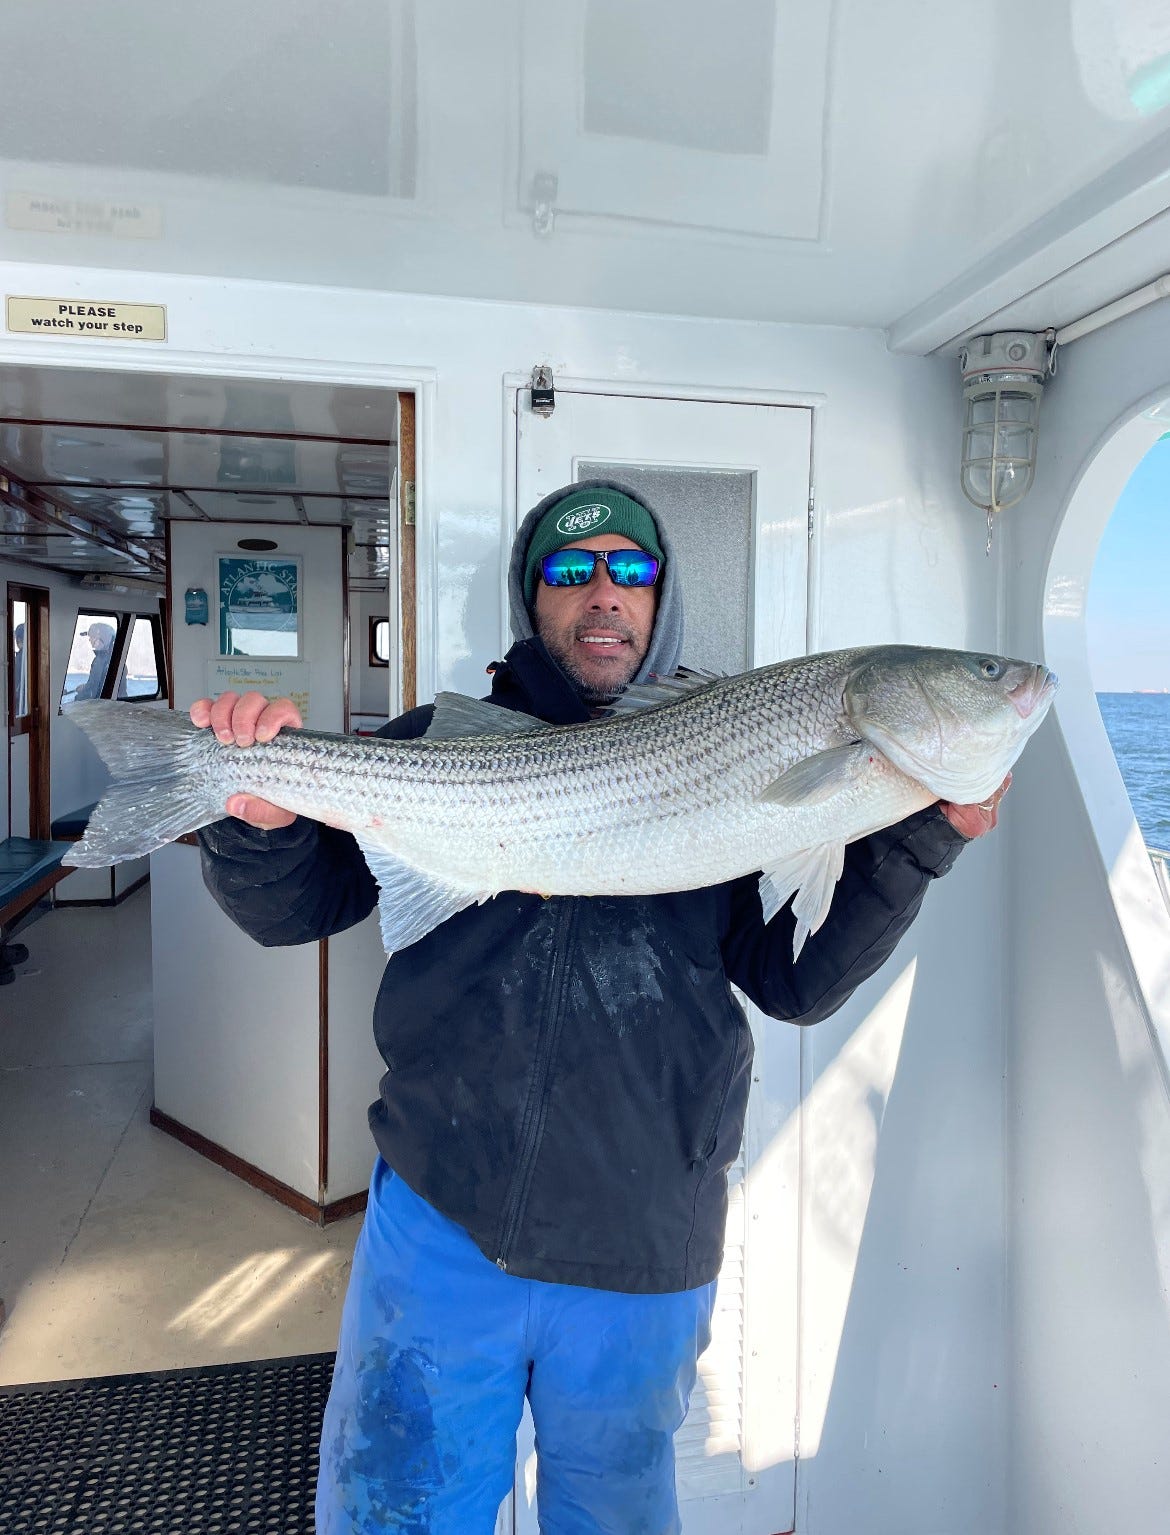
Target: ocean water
1138,726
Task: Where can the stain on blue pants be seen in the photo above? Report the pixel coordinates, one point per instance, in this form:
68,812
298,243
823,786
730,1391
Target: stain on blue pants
438,1350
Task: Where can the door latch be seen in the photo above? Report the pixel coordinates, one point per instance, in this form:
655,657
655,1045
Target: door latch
543,394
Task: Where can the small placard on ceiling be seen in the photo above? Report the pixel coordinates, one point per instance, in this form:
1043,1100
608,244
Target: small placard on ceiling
102,319
117,218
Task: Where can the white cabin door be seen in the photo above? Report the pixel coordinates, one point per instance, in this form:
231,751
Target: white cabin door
731,482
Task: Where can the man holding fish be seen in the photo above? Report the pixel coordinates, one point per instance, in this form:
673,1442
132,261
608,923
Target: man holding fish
567,1074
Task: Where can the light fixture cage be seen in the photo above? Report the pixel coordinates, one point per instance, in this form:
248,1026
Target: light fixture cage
1003,382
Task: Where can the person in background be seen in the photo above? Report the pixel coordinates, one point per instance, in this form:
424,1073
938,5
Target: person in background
19,674
565,1091
101,637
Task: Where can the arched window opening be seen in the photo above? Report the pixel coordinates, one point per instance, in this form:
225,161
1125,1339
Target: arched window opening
1127,619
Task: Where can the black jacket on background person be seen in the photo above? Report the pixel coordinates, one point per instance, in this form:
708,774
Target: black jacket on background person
567,1078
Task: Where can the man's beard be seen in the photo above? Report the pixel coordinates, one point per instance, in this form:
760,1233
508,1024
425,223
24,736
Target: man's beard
590,692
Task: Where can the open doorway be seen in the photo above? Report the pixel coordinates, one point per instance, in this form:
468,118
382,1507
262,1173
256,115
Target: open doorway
99,471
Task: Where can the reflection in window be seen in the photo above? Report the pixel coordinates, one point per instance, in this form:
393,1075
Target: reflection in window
18,662
90,655
379,642
1128,632
140,677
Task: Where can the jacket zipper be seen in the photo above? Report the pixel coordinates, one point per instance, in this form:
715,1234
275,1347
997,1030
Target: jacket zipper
534,1114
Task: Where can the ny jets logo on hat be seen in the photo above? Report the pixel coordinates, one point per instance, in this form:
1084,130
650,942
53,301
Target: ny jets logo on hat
582,519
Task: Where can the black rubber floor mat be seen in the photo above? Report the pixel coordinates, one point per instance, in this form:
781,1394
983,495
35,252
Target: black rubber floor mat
224,1450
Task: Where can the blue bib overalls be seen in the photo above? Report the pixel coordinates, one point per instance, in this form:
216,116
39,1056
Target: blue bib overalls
438,1350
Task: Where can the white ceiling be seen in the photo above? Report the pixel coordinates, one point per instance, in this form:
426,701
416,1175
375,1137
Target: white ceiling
928,167
93,463
908,164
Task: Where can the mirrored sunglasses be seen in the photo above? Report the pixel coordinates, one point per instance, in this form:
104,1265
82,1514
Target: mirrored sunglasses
575,567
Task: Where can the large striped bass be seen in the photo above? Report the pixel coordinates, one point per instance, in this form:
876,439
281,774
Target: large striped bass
686,783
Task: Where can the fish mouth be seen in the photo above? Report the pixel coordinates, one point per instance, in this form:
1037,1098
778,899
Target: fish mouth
1033,691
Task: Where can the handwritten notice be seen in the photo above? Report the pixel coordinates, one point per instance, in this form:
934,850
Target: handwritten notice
275,679
101,319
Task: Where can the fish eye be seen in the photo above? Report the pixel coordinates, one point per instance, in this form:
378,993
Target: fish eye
990,669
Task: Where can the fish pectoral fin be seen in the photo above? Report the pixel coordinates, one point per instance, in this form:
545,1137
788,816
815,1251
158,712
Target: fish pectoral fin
458,717
410,902
811,876
818,778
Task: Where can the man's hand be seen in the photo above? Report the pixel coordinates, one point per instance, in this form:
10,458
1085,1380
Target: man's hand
975,820
244,721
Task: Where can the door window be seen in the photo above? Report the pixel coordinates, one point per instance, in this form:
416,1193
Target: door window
708,517
94,644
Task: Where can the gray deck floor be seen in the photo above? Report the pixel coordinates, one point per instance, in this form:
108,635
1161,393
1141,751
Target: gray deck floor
120,1249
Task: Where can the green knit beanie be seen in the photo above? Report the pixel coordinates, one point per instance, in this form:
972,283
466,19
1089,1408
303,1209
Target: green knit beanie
595,509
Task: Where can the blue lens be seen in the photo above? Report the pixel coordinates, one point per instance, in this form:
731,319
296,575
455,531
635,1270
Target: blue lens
631,567
575,567
568,567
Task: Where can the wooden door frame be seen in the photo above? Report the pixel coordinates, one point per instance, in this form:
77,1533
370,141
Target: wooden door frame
36,724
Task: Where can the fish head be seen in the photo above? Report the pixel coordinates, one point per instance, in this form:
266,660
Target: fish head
955,720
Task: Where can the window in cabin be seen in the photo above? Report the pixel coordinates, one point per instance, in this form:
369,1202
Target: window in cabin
1128,634
95,643
143,671
379,642
18,690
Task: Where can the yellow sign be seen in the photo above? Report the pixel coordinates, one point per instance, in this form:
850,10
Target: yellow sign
83,215
103,319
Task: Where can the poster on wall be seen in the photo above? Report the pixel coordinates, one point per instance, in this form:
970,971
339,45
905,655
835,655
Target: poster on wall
275,679
259,607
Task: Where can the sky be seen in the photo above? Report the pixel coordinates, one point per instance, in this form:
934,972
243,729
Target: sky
1127,616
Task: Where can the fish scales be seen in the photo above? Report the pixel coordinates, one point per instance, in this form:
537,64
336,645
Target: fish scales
775,769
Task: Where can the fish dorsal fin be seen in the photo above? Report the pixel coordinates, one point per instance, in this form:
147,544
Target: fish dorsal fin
811,875
458,717
816,779
410,903
663,690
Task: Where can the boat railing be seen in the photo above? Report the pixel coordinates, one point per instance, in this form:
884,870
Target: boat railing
1160,858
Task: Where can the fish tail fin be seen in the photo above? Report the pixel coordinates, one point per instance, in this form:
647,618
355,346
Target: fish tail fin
157,792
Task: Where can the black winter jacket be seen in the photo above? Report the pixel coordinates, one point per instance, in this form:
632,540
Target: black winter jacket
567,1078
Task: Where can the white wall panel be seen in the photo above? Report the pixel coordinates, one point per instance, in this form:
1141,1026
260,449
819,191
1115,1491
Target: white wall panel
235,1028
1089,1247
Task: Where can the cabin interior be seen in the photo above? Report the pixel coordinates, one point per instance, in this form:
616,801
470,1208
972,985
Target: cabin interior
278,309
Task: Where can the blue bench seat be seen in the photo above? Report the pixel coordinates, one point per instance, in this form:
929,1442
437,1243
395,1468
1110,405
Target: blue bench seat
29,869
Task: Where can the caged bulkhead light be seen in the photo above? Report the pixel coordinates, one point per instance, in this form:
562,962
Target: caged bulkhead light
1003,380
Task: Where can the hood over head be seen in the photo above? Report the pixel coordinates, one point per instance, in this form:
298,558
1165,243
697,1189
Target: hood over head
662,658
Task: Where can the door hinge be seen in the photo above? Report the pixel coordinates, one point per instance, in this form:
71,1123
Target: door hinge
408,503
812,506
544,400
